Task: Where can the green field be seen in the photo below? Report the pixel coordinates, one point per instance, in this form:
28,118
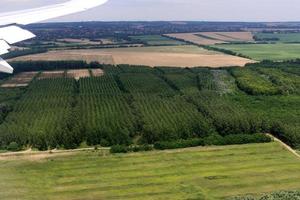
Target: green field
196,173
156,40
259,52
279,37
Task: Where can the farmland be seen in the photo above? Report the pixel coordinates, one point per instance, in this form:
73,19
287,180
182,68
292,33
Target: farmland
211,38
155,40
143,105
259,52
198,173
177,56
278,37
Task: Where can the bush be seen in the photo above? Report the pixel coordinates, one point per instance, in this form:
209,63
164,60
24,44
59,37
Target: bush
141,148
179,144
214,139
119,149
13,146
246,139
126,149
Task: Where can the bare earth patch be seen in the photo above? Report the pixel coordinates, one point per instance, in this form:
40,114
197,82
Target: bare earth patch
97,72
20,80
78,73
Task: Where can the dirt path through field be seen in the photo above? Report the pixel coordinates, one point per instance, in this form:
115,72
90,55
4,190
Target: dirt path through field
38,155
290,149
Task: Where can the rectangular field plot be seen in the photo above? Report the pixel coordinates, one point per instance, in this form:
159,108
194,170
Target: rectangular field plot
171,56
210,38
20,80
212,173
156,40
277,52
278,37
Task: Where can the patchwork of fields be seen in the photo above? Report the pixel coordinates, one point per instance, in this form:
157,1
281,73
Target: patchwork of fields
126,105
156,40
198,173
211,38
176,56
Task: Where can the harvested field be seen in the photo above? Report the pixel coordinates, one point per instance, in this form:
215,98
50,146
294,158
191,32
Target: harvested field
210,38
99,41
194,38
238,36
97,72
78,73
173,56
87,55
179,60
20,80
52,74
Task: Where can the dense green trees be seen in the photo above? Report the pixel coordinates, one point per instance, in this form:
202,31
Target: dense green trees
23,66
141,105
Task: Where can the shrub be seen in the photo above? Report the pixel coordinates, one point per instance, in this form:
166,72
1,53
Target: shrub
179,144
119,149
214,139
13,146
141,148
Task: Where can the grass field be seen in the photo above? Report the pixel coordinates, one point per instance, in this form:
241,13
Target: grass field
156,40
279,37
196,173
260,52
176,56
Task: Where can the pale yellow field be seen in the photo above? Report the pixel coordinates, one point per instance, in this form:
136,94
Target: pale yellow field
211,38
194,38
241,36
173,56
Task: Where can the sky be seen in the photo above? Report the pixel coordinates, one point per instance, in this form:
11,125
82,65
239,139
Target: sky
176,10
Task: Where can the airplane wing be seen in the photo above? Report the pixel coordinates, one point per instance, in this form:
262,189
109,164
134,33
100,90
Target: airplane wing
10,33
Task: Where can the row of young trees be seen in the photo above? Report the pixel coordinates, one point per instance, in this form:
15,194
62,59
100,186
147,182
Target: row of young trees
43,116
140,104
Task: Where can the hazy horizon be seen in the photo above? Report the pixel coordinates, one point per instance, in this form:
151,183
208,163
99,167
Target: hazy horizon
176,10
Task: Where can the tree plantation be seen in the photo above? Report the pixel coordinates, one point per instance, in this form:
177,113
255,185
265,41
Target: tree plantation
141,105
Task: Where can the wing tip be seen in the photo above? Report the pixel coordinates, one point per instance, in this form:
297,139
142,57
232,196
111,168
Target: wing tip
5,67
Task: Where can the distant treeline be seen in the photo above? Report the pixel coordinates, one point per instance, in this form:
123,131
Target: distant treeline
25,66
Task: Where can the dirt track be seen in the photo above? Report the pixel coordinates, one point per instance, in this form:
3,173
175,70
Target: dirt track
290,149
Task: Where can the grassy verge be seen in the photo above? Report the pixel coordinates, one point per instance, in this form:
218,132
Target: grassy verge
194,173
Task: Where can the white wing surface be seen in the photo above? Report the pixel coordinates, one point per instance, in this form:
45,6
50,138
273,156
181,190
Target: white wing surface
10,33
